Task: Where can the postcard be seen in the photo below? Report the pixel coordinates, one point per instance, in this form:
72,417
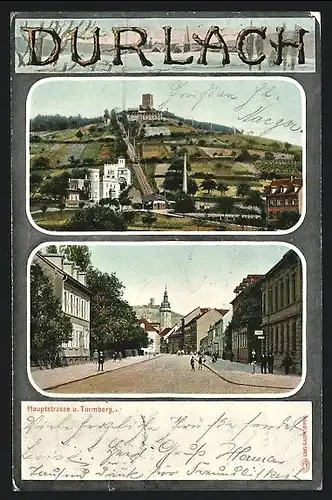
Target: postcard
166,251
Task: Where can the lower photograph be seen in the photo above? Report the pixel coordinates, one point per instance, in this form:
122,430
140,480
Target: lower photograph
167,319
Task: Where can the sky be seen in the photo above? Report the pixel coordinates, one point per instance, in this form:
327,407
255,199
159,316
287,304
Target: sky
195,274
267,107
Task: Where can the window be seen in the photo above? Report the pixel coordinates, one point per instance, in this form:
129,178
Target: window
287,291
279,202
277,339
270,308
65,305
293,287
294,336
282,340
81,313
263,303
281,293
76,309
71,304
276,301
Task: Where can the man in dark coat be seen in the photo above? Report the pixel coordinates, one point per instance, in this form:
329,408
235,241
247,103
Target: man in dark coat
286,363
101,360
263,362
270,362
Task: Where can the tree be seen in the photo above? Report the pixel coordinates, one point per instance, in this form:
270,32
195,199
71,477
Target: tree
97,219
287,220
51,249
124,199
149,219
208,185
254,199
61,207
287,146
35,179
243,190
269,155
192,186
114,323
106,115
80,254
49,325
248,313
41,162
79,134
56,186
184,203
222,187
226,204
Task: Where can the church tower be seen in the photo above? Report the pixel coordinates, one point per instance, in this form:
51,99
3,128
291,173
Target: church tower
165,312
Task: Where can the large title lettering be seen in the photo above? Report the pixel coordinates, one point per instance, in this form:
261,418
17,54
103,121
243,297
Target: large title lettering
205,44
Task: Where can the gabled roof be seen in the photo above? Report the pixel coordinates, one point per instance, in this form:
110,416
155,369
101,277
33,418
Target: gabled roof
284,186
148,327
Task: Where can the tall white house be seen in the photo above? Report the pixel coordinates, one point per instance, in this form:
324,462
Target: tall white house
107,183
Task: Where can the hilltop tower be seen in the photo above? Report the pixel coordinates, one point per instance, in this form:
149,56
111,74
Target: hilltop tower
185,176
186,44
165,312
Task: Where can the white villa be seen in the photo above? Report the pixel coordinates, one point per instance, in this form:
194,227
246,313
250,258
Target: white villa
106,184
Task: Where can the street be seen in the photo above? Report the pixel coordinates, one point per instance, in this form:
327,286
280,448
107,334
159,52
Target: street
172,374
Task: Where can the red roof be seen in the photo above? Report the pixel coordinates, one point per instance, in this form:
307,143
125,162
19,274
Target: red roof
148,327
278,184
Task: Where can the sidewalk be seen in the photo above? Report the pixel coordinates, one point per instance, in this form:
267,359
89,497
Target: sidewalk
240,374
49,379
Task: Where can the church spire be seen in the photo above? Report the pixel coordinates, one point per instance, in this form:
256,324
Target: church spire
165,303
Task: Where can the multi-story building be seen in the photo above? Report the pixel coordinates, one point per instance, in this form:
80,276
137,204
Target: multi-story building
243,338
284,195
213,343
153,335
197,328
114,178
69,285
145,112
282,303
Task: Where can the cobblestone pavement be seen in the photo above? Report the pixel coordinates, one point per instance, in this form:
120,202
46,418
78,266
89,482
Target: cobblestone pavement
46,379
170,374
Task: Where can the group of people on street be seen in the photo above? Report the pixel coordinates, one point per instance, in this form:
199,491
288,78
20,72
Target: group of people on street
267,362
201,361
117,356
99,358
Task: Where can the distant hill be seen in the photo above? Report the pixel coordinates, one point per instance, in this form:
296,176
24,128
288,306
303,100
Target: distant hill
152,312
217,127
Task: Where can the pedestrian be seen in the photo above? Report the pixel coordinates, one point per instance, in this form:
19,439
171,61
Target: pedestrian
287,362
120,357
200,362
95,356
192,363
263,362
270,362
114,357
101,359
253,361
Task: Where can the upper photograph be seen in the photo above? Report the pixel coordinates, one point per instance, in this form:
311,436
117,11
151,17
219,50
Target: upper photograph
166,154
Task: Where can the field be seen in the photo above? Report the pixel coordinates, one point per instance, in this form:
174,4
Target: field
52,220
151,150
60,153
